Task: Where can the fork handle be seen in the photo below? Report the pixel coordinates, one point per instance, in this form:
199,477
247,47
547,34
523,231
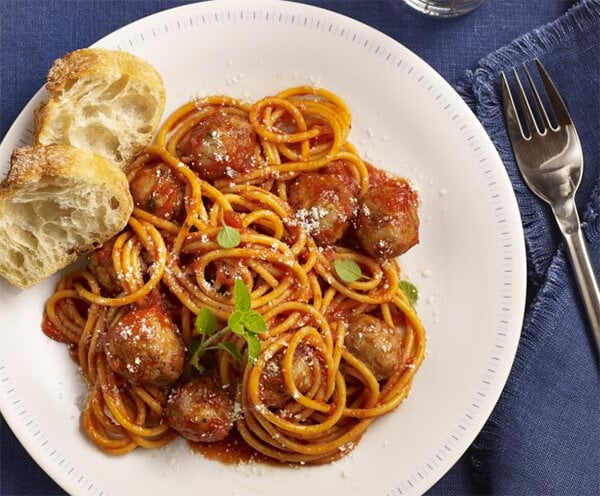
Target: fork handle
584,274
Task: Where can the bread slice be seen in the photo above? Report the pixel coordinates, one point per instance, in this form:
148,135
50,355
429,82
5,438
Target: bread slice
107,101
57,203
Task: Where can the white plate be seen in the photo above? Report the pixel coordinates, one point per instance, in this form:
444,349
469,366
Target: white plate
469,266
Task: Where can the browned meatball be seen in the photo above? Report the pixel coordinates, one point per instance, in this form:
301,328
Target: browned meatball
200,410
273,392
145,347
376,344
157,190
222,145
388,221
325,204
101,265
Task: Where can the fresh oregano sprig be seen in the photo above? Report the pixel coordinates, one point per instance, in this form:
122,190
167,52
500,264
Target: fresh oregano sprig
243,322
410,290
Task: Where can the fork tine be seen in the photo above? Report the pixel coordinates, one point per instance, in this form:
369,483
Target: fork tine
513,123
558,105
538,101
528,113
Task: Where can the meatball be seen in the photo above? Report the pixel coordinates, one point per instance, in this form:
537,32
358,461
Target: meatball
222,145
145,347
157,190
325,204
376,344
200,410
100,264
388,222
273,392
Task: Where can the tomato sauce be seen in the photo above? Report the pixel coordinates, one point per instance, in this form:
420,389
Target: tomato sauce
50,330
232,219
232,450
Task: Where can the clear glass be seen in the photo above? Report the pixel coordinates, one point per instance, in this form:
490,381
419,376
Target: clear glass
444,8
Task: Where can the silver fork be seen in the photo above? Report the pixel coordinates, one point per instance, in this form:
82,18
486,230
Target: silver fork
550,159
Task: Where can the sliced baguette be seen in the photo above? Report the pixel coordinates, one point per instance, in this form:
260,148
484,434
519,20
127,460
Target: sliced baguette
57,203
107,101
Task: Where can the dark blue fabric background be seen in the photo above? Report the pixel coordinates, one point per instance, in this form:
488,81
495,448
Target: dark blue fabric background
543,437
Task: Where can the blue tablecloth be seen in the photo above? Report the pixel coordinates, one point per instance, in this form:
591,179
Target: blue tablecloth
558,375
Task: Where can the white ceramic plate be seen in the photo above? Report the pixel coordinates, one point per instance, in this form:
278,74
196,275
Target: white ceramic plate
469,266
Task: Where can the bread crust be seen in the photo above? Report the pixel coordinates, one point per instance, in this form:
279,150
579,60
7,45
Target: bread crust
31,164
70,173
99,62
80,80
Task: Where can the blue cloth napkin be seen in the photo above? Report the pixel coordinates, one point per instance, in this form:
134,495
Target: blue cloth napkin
544,434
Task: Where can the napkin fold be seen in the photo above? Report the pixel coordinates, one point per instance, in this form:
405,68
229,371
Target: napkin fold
543,437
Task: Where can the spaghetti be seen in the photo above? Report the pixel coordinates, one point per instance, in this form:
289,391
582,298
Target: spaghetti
338,351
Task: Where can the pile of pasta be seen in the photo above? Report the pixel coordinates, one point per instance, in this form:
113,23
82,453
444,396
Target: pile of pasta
292,283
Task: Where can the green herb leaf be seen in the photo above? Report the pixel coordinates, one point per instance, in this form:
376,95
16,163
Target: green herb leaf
254,322
228,237
232,349
206,322
253,347
235,322
347,270
243,322
241,296
410,290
